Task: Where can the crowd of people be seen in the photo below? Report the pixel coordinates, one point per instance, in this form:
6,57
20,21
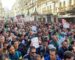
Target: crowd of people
37,41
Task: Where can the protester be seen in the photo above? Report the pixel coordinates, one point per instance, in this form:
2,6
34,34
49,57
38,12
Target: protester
52,54
31,55
13,54
63,49
55,41
68,55
44,51
38,57
36,40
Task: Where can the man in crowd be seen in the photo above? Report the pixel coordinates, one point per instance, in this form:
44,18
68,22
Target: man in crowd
52,54
13,54
68,55
54,41
63,49
16,40
32,54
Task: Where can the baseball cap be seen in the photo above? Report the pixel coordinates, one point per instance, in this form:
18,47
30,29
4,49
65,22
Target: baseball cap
51,47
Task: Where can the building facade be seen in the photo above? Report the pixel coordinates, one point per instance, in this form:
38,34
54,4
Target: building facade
2,12
56,7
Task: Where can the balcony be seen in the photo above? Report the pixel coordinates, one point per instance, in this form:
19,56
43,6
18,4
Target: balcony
72,11
61,9
48,11
70,7
40,2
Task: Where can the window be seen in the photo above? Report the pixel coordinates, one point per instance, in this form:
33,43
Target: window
60,4
74,1
64,4
50,6
70,1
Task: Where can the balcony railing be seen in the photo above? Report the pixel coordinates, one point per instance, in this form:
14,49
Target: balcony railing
61,9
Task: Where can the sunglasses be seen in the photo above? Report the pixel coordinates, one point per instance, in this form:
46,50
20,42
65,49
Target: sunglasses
33,52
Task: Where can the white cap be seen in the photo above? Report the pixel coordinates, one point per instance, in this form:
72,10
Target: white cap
50,46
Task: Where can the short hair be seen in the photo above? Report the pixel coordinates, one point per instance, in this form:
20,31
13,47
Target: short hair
32,47
45,41
5,42
64,41
68,55
37,56
72,42
70,48
53,50
9,46
14,42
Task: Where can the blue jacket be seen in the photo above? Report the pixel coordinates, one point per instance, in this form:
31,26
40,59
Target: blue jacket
61,52
15,56
27,57
48,58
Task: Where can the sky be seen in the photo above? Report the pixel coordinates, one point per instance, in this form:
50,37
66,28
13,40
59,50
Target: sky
7,4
